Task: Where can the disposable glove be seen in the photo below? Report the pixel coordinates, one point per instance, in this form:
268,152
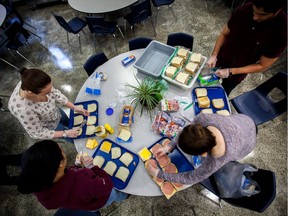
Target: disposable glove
81,111
153,170
162,151
72,133
211,63
87,161
222,73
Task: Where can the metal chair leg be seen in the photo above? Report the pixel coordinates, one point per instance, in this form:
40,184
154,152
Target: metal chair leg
170,7
80,43
120,31
115,43
133,31
153,26
25,58
9,64
68,38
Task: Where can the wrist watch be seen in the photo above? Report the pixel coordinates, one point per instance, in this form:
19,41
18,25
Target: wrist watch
64,134
230,72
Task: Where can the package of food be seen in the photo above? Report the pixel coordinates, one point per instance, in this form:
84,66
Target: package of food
169,105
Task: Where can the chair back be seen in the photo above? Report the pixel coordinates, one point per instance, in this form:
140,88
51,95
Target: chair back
16,34
94,61
141,11
158,3
98,25
62,22
139,43
180,39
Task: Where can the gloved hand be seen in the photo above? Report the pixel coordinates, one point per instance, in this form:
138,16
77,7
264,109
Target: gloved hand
163,150
153,170
211,63
87,161
72,133
222,73
81,111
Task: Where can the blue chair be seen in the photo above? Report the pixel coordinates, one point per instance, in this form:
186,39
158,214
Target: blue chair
260,202
140,11
257,104
180,39
74,26
159,3
94,61
139,43
68,212
98,26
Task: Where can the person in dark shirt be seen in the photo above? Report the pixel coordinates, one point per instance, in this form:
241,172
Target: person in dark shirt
251,41
45,174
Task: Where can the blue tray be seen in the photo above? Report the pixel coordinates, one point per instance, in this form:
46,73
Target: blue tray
132,166
72,115
177,158
213,92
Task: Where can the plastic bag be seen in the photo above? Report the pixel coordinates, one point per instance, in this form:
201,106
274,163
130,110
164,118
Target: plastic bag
234,180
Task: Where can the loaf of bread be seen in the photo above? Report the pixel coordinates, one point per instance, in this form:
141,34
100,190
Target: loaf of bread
218,103
182,77
177,61
170,71
196,57
183,53
191,67
203,102
201,92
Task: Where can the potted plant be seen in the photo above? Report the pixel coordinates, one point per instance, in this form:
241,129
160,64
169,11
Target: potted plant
148,94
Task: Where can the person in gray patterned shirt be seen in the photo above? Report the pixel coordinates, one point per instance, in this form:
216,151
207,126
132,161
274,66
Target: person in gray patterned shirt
34,102
218,138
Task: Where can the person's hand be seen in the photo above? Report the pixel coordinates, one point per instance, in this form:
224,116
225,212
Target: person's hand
162,151
211,63
81,111
222,73
153,170
87,161
72,133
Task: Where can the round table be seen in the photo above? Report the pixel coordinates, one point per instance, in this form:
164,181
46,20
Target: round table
2,14
143,136
99,6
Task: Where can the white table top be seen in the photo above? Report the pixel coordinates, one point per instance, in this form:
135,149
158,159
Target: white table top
99,6
2,14
140,183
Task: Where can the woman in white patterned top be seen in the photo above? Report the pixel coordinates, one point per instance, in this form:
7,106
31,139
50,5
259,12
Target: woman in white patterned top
34,102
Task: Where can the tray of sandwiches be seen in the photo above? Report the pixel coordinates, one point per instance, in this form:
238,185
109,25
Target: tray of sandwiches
210,100
173,162
76,119
117,161
184,68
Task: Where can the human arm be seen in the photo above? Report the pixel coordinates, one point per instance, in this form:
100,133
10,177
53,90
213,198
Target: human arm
219,43
77,109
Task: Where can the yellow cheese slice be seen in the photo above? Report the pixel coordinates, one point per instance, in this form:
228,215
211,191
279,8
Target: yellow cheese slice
91,143
144,154
106,147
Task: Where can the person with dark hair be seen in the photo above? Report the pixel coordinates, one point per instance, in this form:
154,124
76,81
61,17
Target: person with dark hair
45,174
34,102
251,41
218,139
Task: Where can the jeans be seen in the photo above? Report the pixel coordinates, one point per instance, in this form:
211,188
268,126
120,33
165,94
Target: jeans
115,196
63,125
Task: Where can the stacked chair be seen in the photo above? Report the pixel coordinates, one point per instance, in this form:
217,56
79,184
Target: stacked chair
139,43
181,39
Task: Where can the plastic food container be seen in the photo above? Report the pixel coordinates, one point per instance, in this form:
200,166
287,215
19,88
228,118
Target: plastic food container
192,81
155,57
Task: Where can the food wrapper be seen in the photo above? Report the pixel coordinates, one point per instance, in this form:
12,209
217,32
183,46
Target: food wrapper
169,105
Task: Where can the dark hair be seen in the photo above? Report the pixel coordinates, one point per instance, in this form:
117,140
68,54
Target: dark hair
196,140
40,164
270,6
34,80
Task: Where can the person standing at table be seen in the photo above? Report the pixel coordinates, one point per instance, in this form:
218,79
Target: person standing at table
34,102
219,139
75,188
251,41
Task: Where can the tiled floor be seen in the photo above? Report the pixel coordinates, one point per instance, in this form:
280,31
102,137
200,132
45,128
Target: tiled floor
204,20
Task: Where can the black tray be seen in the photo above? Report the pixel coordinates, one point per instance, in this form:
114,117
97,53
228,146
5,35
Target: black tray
72,115
132,166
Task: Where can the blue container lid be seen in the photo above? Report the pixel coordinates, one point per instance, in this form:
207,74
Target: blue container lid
109,111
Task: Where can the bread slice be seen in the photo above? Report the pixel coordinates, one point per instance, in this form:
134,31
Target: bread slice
182,77
170,71
218,103
177,61
92,107
91,120
115,152
210,111
204,102
223,112
201,92
98,161
122,173
124,134
78,119
80,106
126,158
196,57
183,53
110,168
90,129
168,189
191,67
